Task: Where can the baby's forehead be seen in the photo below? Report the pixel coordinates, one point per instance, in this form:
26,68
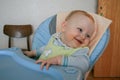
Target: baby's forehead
81,20
77,14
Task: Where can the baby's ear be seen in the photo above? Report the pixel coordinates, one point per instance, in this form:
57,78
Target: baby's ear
63,25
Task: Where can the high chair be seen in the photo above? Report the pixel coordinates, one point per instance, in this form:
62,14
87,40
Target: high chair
18,31
20,67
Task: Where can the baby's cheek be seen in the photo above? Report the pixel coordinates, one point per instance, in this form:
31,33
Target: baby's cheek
86,42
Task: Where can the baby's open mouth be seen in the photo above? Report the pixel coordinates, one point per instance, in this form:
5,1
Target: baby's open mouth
79,41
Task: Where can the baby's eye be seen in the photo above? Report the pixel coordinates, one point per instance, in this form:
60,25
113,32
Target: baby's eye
88,36
80,29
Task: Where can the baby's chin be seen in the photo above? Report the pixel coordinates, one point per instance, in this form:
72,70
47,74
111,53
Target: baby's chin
78,46
74,45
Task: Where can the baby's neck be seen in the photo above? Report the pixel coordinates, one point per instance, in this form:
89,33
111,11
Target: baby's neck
62,38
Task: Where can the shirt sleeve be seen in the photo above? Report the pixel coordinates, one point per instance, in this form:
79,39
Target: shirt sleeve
78,59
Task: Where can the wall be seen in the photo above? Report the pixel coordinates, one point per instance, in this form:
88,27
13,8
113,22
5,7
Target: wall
34,12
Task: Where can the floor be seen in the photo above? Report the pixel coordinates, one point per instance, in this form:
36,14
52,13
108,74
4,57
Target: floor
91,77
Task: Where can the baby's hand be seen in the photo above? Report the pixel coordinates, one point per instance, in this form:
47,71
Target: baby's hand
55,61
30,53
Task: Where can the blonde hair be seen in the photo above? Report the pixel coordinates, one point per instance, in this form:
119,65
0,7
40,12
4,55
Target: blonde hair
81,12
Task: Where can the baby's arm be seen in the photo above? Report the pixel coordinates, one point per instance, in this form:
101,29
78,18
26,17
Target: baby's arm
78,59
30,53
34,53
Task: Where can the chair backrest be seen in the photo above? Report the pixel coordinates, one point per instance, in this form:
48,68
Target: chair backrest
43,32
18,31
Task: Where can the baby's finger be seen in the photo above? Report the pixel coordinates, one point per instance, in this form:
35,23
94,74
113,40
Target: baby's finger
47,66
39,61
42,65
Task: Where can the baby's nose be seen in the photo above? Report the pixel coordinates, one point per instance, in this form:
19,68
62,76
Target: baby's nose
82,36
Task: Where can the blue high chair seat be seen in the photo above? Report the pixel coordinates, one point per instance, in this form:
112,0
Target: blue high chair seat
16,66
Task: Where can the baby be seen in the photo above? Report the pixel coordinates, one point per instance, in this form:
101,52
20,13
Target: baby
70,47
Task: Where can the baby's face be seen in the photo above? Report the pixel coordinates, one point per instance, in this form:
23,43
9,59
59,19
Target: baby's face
77,31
